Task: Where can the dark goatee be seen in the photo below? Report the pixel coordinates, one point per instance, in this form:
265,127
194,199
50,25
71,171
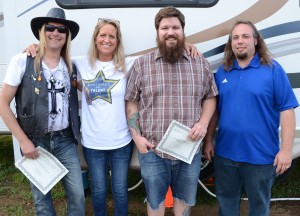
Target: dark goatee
242,56
171,54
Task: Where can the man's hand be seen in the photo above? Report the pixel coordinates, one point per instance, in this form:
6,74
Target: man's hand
142,144
192,50
208,150
197,132
29,150
283,160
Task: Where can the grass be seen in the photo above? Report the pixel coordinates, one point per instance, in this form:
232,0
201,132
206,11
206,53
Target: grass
289,188
16,198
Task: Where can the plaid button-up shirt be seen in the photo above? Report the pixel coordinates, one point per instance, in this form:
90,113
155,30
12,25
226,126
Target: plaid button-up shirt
169,91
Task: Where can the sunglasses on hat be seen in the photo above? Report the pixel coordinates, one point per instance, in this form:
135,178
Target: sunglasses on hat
60,29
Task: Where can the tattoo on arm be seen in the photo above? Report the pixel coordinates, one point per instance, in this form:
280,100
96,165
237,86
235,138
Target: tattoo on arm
187,211
133,122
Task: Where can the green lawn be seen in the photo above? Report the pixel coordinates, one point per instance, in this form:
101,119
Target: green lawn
15,194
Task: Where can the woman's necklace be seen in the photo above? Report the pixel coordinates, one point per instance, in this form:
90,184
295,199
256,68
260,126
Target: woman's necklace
104,64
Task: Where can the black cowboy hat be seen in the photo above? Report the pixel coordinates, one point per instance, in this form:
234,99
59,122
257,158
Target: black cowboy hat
54,15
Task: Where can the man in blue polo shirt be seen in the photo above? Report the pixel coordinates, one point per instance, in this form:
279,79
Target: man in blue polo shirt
255,98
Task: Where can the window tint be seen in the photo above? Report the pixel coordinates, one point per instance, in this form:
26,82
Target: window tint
77,4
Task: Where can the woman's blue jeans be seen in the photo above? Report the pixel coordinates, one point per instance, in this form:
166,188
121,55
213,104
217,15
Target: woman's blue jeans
98,162
62,145
233,178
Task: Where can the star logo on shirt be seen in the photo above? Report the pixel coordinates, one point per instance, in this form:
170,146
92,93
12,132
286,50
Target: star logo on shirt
99,87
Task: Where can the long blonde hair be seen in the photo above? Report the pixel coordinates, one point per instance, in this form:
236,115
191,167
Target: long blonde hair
65,52
118,54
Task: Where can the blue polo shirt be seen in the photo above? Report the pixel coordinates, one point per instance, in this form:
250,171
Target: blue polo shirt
250,102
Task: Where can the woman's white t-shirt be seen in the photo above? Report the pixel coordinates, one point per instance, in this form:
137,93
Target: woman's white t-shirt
103,117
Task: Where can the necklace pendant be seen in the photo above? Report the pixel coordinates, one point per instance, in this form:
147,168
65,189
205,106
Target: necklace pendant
104,64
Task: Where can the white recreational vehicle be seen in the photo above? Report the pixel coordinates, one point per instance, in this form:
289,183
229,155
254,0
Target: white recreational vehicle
207,25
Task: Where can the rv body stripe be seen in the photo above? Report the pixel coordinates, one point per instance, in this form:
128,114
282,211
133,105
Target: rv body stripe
273,31
281,29
34,6
259,11
294,79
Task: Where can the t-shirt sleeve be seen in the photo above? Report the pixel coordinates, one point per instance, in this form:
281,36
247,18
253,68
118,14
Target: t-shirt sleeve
129,62
76,61
15,70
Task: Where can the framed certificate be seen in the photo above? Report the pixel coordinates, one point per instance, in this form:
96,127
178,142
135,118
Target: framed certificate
176,143
44,172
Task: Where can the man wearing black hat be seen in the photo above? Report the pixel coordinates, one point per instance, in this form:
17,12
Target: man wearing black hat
45,92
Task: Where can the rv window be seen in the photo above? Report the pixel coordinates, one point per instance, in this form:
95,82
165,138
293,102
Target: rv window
78,4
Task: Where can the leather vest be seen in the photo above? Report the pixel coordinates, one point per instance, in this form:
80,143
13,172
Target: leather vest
32,103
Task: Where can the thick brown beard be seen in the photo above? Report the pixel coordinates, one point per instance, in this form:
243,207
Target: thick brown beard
171,54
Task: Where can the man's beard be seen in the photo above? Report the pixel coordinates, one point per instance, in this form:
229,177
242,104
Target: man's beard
171,54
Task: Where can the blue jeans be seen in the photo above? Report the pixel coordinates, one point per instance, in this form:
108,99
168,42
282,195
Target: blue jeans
233,178
119,161
63,146
160,173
